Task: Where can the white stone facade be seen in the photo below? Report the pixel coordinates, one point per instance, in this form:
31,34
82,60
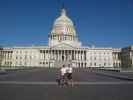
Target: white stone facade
99,57
56,56
117,57
25,57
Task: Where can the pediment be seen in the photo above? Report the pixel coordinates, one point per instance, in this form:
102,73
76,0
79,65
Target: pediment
63,46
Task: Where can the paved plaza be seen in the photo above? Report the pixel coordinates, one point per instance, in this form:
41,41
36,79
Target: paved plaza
39,84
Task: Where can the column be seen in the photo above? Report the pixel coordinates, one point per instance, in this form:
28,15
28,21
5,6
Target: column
66,55
44,54
74,54
58,55
79,54
49,54
82,55
52,54
71,54
85,55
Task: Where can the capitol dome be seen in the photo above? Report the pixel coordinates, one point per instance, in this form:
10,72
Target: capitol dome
63,31
63,25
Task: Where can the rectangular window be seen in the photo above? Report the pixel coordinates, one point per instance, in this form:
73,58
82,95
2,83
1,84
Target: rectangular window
95,64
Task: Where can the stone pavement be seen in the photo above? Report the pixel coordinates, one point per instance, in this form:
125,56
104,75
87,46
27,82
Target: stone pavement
39,84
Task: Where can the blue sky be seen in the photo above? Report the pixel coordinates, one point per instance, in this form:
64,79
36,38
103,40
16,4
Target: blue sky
105,23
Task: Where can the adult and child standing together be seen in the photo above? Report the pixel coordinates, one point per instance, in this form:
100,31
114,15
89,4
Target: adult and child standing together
65,76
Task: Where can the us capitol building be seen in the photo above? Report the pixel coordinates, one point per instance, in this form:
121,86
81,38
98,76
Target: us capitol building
64,47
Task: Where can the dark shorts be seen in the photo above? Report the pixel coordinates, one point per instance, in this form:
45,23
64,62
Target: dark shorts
69,76
64,76
61,79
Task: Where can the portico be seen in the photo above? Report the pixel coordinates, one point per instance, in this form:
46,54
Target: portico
64,54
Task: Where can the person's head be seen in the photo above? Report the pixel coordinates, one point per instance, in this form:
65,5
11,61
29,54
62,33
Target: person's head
63,66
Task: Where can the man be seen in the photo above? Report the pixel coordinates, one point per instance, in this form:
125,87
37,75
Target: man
62,79
69,73
63,71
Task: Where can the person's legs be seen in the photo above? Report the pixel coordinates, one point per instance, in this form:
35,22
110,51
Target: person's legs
59,80
70,79
72,82
63,81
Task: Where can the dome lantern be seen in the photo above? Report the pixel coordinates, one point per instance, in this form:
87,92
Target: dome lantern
63,12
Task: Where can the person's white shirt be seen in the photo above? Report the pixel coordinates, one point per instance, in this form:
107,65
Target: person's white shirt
63,71
69,69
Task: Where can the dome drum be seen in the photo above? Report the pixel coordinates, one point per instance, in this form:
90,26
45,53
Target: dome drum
62,37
